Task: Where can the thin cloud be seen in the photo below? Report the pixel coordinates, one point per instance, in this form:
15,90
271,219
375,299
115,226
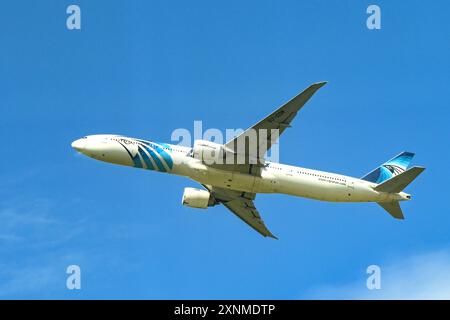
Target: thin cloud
33,230
46,279
23,220
35,223
424,276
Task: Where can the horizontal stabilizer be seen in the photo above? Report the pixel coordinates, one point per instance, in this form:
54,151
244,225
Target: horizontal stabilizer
400,181
393,208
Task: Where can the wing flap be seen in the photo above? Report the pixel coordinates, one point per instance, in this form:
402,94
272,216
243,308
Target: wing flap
247,212
242,205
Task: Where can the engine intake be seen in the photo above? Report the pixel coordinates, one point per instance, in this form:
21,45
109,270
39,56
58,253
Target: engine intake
197,198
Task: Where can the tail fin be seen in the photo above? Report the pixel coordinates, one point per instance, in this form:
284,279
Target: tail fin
397,184
400,181
390,169
393,208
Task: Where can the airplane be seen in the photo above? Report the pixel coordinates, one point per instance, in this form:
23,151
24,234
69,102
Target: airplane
235,184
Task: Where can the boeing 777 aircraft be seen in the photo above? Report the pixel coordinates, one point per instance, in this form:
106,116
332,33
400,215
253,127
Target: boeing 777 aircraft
236,183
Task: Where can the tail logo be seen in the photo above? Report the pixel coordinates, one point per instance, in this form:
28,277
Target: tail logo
390,168
395,170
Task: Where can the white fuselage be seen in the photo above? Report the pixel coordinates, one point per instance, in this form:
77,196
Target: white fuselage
273,177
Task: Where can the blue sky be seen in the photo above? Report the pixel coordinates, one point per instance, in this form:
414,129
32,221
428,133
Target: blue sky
145,68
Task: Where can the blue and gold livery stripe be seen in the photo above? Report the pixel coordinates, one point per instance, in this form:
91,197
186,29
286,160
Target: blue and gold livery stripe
146,159
160,150
155,156
136,160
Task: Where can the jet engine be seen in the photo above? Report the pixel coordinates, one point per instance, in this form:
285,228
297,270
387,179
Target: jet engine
197,198
208,152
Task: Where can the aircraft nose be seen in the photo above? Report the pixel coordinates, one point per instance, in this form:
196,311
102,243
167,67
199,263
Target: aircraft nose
79,144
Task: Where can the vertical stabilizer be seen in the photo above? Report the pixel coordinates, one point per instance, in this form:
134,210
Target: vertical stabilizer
390,168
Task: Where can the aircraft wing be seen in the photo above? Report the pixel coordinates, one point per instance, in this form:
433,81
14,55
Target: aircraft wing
241,204
279,120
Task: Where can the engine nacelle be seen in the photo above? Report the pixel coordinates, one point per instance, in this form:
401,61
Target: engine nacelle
197,198
208,152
